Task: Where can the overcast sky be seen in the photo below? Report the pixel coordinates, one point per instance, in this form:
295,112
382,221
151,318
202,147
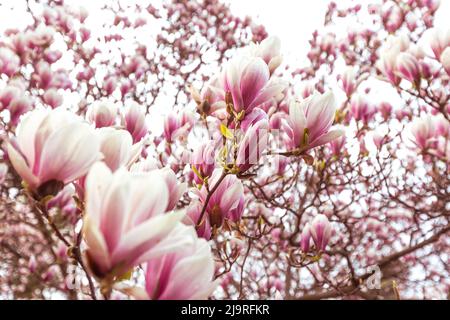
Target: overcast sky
291,20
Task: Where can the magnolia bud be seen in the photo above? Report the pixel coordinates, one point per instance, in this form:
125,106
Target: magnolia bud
320,231
102,114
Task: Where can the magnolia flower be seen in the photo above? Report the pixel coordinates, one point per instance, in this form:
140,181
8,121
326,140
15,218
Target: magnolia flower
337,146
360,109
126,222
388,57
445,60
268,50
145,165
117,148
43,75
32,264
310,121
110,85
305,239
226,202
378,139
408,67
256,115
348,80
176,190
186,274
253,144
387,66
211,98
440,39
134,121
192,215
248,81
176,126
102,114
321,231
53,98
8,94
51,149
328,43
393,18
385,109
42,36
424,131
203,161
9,62
18,107
441,126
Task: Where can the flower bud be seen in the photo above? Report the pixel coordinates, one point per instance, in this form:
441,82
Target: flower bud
321,232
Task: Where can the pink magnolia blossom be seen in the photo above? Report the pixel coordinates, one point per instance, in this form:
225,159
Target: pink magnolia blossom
51,56
175,126
276,120
328,43
253,144
321,231
110,85
248,81
393,17
337,146
203,159
310,121
52,146
440,39
387,63
227,202
348,80
32,264
102,114
134,121
117,148
445,60
18,107
361,109
210,98
176,190
408,67
53,98
63,198
256,115
186,274
424,131
268,50
145,165
126,222
43,75
378,139
192,215
305,239
385,108
441,126
307,88
8,94
9,62
42,36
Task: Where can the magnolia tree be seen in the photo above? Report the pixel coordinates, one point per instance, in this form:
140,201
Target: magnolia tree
168,153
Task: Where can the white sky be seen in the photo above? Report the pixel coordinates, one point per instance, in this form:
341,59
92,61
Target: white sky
291,20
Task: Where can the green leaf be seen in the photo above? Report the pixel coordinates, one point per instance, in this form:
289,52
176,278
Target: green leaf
226,132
